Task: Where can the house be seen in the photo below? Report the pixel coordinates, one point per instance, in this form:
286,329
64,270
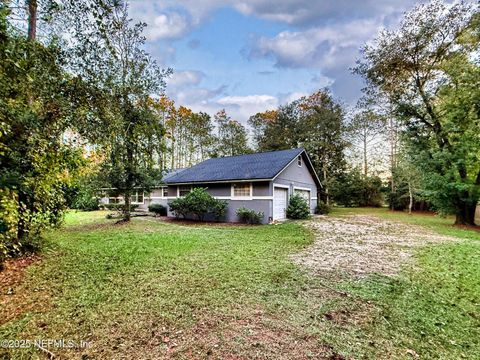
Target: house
158,195
262,182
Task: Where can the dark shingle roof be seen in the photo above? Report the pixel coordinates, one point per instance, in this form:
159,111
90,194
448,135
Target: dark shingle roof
243,167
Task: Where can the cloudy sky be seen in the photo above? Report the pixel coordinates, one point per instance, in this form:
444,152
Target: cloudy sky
251,55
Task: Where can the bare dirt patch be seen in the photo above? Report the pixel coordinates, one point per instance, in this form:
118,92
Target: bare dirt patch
359,245
14,300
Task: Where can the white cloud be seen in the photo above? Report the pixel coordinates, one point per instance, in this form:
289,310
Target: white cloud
255,100
328,47
184,78
167,26
238,107
242,107
166,23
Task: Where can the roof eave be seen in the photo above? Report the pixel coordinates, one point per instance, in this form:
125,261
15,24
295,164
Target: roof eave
217,181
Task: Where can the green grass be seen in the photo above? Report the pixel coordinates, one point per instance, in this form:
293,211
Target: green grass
433,308
150,274
149,289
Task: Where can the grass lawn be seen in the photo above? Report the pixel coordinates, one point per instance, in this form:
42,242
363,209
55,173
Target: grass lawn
434,308
153,289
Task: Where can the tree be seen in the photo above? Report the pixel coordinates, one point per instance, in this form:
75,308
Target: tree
35,160
352,188
322,132
166,112
118,77
408,175
276,129
365,130
417,68
202,137
315,122
232,136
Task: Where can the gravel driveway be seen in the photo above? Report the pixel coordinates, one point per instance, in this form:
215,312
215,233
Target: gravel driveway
359,245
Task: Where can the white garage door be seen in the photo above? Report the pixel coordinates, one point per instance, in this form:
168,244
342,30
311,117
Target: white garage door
304,194
279,203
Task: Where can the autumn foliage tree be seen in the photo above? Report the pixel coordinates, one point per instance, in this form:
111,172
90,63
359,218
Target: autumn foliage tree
232,137
315,122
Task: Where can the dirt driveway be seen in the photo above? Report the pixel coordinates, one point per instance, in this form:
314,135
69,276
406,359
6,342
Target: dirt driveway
359,245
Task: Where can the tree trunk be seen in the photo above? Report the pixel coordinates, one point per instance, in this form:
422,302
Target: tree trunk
392,155
327,195
21,224
32,19
365,162
466,214
410,195
129,166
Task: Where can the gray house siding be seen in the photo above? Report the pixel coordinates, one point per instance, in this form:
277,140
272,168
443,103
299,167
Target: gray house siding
155,197
257,205
298,177
224,191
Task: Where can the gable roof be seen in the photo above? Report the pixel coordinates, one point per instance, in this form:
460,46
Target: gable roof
259,166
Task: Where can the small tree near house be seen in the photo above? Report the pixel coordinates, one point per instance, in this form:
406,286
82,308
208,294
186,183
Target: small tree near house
298,208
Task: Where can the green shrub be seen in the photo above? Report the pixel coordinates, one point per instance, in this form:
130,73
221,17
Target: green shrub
158,209
179,207
86,202
82,196
249,216
218,208
198,203
322,208
353,189
298,208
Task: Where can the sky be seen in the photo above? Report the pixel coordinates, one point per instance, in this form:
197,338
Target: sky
248,56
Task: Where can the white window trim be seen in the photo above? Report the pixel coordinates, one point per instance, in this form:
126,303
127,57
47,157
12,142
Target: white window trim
299,158
301,188
161,190
136,195
178,189
232,193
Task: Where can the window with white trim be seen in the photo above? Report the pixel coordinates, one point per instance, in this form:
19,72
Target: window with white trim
184,190
137,197
115,200
165,192
242,190
299,160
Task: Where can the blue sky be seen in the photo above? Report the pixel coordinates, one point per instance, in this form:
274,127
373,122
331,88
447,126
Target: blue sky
252,55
